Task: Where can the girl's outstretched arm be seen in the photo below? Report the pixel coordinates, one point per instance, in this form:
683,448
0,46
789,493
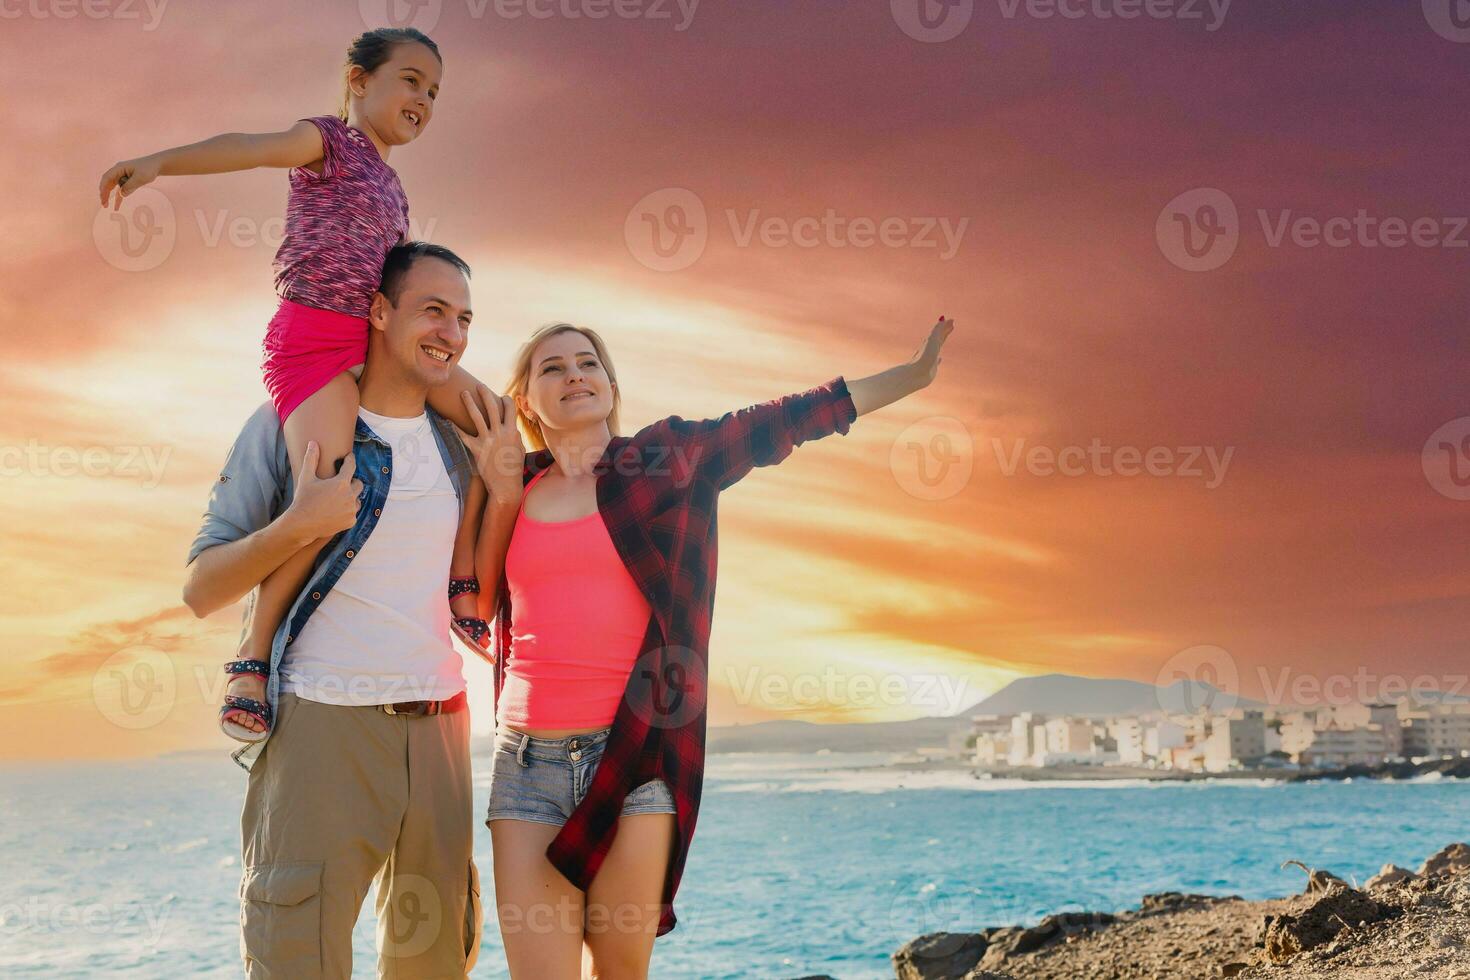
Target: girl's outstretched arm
299,146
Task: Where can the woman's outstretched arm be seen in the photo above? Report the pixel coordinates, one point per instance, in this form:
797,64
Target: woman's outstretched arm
884,388
725,449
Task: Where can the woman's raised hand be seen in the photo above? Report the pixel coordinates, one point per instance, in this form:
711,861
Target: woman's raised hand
495,445
926,359
126,177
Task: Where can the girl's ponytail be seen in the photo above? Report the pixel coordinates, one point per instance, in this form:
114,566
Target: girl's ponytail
371,49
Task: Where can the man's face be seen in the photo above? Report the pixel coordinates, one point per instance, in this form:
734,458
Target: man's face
426,331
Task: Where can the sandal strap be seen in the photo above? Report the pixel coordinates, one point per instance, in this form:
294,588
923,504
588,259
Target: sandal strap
250,706
463,586
260,667
477,628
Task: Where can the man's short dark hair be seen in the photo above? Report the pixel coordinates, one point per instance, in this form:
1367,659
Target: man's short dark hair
401,258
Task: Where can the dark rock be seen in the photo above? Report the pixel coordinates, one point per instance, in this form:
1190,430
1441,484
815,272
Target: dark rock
1389,875
1452,860
1054,928
940,955
1233,969
1341,907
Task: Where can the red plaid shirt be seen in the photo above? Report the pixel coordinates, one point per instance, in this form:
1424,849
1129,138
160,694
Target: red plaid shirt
657,491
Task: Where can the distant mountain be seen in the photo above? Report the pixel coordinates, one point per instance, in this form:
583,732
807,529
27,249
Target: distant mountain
1063,694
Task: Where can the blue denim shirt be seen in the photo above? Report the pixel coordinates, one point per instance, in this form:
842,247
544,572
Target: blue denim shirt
255,487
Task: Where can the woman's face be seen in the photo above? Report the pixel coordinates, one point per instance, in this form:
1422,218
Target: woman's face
398,98
568,387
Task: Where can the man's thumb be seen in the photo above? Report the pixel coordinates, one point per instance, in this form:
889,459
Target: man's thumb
308,461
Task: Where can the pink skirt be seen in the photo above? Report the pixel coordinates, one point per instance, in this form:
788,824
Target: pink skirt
304,348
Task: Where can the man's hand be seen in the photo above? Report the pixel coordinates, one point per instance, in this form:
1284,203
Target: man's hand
320,508
496,447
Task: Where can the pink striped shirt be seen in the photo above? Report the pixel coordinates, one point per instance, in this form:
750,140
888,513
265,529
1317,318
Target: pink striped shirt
340,223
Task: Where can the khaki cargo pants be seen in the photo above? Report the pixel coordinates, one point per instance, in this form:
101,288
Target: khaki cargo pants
341,796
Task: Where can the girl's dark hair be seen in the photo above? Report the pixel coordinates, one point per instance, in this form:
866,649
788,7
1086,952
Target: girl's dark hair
372,48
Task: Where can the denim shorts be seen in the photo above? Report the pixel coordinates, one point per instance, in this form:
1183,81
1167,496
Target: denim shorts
544,779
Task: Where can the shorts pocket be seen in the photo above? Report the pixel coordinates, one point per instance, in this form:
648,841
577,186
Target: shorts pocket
281,920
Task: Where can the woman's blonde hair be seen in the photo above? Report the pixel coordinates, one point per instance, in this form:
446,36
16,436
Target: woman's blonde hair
521,377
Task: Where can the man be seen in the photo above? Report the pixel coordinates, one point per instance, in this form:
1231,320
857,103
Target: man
365,772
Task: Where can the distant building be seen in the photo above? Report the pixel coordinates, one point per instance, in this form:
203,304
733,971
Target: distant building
1127,734
1028,737
1235,740
1334,747
1437,731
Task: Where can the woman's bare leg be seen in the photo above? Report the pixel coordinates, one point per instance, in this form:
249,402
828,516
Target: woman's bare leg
329,416
540,912
624,903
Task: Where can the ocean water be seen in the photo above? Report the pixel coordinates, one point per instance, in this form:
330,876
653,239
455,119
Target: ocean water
801,865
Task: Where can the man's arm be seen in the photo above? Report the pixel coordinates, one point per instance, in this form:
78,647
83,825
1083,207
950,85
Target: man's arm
222,574
239,545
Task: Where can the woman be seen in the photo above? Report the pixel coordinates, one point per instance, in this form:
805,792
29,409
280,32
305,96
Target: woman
603,615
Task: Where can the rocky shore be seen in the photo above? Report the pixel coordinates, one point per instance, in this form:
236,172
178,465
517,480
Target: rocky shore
1441,768
1398,924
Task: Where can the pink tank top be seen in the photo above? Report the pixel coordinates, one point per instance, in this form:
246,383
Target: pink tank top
577,625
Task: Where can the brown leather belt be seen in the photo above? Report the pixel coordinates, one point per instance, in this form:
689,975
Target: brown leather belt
422,708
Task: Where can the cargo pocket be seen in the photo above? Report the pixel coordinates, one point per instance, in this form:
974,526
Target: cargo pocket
281,921
474,920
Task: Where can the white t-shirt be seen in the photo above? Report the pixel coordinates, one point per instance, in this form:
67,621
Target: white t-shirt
382,634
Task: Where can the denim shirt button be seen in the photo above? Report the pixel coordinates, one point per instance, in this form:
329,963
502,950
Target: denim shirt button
377,512
385,469
316,595
350,552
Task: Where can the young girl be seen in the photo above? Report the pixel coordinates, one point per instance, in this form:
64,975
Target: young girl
344,211
604,605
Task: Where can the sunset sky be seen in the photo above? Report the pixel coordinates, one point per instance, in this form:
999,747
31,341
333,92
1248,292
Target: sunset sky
1326,541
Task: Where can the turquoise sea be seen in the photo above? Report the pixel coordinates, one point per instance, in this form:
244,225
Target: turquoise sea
801,864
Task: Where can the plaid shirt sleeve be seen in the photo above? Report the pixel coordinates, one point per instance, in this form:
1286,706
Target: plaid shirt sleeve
724,449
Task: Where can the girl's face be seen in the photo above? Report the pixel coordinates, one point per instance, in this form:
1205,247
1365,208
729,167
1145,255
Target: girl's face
397,100
568,387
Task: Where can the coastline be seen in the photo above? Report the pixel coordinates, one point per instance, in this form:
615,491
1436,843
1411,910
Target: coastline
1401,771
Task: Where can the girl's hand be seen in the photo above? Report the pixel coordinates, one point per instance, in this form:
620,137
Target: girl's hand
496,447
926,359
126,177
